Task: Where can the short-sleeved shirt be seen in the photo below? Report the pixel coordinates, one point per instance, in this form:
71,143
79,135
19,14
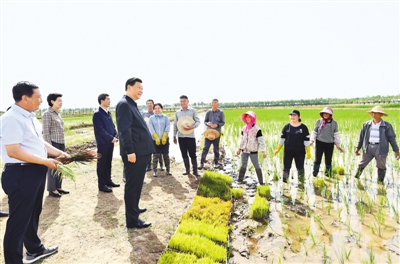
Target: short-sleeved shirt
18,126
295,137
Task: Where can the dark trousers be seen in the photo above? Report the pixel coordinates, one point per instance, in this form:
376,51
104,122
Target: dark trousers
24,186
134,174
207,144
298,157
187,145
53,179
104,164
326,149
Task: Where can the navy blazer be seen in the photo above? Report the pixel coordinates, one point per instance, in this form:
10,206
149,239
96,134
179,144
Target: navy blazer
104,128
134,136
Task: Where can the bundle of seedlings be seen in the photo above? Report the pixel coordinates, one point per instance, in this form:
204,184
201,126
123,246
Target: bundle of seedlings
79,157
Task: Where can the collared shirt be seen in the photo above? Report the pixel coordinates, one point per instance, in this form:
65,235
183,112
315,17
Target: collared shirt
18,126
188,112
53,126
159,124
216,117
147,114
374,133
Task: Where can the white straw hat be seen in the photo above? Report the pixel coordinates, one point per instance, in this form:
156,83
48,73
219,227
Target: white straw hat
377,109
211,134
185,121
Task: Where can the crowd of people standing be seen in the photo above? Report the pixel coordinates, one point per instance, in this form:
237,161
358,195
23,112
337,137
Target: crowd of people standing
29,150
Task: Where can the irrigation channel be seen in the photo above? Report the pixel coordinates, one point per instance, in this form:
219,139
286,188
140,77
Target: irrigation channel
350,222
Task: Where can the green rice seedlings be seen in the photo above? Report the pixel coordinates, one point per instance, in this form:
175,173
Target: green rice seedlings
305,248
237,193
340,257
340,214
324,253
382,189
298,232
370,204
329,208
358,239
389,258
380,219
396,213
320,224
313,239
383,201
65,172
264,191
371,256
259,208
275,177
361,210
347,253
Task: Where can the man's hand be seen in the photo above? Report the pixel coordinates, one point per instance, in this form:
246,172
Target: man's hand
264,154
114,140
238,152
132,158
64,155
398,155
357,152
339,148
311,142
51,163
175,140
188,128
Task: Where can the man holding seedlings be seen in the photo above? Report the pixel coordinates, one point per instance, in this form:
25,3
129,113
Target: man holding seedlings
136,145
106,136
214,120
24,154
184,129
375,137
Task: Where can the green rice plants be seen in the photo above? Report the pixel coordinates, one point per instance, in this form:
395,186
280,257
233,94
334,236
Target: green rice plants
320,224
313,239
259,208
199,246
389,258
319,185
171,257
382,190
275,177
206,261
305,248
371,256
383,201
396,213
213,211
380,219
340,214
214,232
347,253
361,211
329,208
214,184
237,193
338,170
264,191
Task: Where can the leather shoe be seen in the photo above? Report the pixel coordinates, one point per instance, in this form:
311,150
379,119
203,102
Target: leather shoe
3,214
105,189
57,195
148,168
142,210
112,184
140,224
63,191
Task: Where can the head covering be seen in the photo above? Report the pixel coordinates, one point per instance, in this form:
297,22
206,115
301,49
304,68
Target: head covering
211,134
185,121
329,111
252,121
295,112
377,109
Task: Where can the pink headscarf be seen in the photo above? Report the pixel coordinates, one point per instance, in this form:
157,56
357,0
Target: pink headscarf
329,111
252,122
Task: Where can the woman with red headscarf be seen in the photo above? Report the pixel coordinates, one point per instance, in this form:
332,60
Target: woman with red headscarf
251,142
325,135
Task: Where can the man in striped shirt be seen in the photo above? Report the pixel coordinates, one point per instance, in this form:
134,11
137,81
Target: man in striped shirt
375,137
187,142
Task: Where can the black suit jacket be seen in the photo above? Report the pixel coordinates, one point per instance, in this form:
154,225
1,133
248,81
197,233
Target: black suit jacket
104,128
134,136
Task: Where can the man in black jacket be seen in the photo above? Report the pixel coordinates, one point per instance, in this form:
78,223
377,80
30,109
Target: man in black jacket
136,145
106,136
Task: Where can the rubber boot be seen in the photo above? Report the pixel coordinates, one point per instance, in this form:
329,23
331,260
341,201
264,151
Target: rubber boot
260,176
358,173
194,164
148,167
167,163
315,169
285,176
161,162
187,166
381,175
328,171
241,174
301,178
156,157
155,174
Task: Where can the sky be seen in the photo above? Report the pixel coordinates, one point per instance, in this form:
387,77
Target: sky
235,51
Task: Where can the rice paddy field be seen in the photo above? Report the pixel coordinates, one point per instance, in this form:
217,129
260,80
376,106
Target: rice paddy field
333,220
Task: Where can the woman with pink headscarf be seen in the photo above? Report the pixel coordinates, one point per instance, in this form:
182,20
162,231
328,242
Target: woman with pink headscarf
326,135
251,142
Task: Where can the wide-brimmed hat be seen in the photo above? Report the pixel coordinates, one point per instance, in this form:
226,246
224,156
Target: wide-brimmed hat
327,110
185,121
211,134
377,109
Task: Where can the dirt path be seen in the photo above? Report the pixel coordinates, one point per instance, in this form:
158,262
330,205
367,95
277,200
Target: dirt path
89,226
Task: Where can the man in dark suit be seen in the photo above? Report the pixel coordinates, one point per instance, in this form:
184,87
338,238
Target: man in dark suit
106,136
136,145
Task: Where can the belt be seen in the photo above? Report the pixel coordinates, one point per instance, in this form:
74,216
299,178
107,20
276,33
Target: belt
19,164
373,143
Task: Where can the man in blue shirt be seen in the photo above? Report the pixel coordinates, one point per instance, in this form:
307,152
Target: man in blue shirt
24,154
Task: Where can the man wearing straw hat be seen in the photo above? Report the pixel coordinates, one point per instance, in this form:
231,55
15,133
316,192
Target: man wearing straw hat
214,120
375,137
186,120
